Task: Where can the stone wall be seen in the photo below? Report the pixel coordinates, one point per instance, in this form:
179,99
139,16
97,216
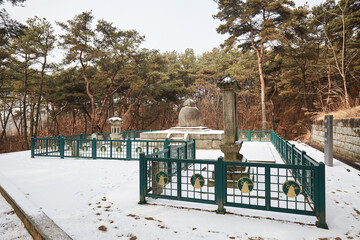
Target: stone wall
346,136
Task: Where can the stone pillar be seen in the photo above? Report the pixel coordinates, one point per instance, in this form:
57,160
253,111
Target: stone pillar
230,146
230,117
328,146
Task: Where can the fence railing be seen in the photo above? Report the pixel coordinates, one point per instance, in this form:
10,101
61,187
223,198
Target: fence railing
292,155
129,149
135,134
261,136
298,186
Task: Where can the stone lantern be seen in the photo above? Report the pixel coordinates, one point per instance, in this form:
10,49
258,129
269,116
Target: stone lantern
115,126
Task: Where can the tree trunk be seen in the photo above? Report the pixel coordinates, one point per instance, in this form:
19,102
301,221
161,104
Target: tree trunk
6,120
37,114
260,54
90,95
328,77
73,121
85,123
343,72
305,99
262,83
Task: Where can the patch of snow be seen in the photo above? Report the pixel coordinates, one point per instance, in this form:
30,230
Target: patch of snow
82,195
11,226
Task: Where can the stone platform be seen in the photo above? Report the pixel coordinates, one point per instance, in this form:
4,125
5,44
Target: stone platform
205,137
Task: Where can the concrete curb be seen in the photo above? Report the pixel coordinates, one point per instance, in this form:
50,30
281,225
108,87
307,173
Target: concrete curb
38,224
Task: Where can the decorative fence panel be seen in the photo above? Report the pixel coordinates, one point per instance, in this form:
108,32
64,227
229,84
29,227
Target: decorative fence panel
261,136
298,186
129,149
269,187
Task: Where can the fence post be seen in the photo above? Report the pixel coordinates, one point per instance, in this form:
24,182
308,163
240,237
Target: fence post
267,188
186,150
168,164
61,147
249,136
220,186
80,142
93,148
168,152
280,146
194,149
303,177
111,149
46,146
166,143
321,210
142,173
286,152
32,143
128,149
292,154
178,176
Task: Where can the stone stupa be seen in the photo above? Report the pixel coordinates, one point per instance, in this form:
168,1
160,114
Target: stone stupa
189,128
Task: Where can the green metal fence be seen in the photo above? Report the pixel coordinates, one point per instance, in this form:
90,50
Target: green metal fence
135,134
261,136
298,186
129,149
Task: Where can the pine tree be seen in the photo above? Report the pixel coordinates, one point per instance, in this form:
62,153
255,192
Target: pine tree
254,24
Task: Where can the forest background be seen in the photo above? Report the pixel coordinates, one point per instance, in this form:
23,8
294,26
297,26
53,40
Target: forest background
292,63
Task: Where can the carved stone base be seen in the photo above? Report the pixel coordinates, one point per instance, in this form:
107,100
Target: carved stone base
231,152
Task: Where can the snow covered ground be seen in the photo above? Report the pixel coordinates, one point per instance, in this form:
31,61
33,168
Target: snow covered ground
97,199
11,226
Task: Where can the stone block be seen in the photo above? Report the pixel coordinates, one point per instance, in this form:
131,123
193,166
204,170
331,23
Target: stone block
216,144
211,136
203,144
153,135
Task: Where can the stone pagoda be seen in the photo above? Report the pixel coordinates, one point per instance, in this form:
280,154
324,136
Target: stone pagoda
188,128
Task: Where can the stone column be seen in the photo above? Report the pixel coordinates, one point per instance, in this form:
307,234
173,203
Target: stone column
328,143
230,146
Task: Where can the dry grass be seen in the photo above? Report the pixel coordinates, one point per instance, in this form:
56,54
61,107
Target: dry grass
342,113
306,138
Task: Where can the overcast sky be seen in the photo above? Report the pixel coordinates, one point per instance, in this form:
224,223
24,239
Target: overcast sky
167,24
